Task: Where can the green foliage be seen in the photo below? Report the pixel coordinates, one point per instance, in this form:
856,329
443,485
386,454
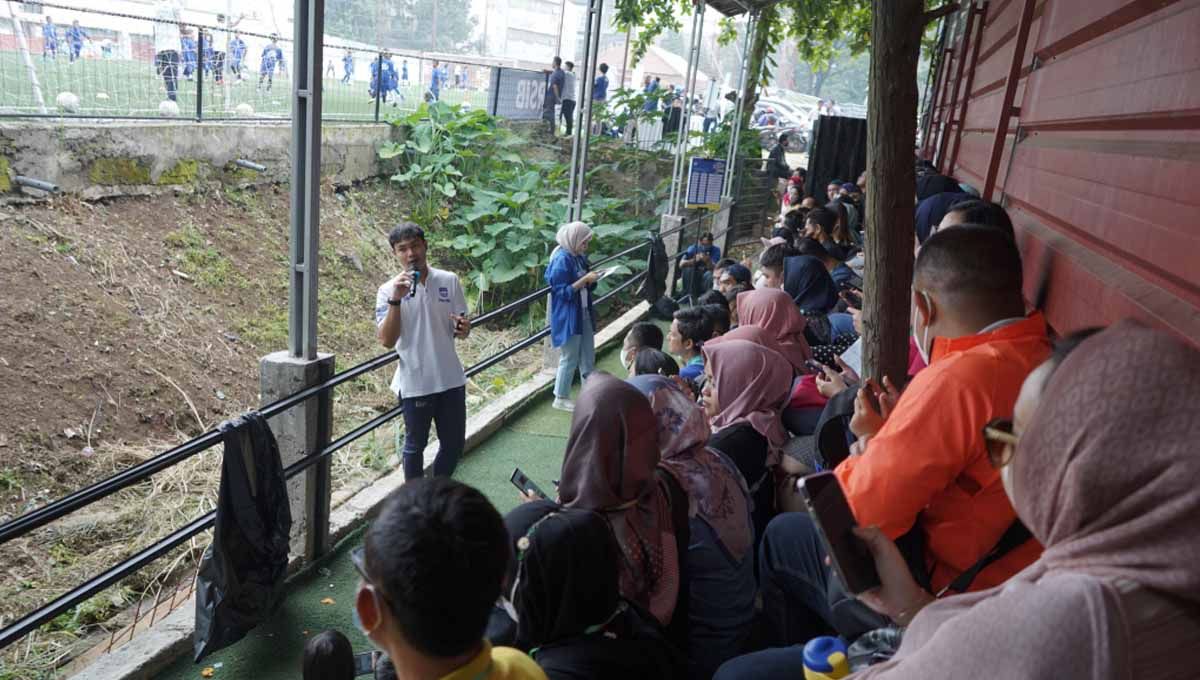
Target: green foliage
652,18
491,207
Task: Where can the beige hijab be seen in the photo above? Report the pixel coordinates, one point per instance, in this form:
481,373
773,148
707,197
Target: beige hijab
572,236
1106,478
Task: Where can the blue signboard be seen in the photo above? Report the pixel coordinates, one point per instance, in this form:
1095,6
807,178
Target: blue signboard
706,180
517,94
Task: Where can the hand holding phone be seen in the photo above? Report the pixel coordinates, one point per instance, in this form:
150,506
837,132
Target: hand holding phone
526,485
849,555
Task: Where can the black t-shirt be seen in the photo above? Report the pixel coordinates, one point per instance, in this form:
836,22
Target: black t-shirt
748,450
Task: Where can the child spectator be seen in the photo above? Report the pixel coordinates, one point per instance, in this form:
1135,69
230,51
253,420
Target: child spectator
689,330
328,656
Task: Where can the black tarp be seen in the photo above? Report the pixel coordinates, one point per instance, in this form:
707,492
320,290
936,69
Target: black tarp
838,151
240,581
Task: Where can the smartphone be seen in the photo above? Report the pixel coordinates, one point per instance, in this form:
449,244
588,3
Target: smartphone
364,664
525,484
853,299
816,368
850,557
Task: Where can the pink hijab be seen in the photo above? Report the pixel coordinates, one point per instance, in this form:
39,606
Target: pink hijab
773,310
715,489
752,386
1105,477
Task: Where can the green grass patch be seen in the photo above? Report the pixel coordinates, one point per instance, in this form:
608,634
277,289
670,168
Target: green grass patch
199,259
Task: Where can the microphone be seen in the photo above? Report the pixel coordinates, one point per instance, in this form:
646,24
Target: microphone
416,278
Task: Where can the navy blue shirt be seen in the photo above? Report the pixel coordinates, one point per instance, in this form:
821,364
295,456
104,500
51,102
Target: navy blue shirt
600,89
714,253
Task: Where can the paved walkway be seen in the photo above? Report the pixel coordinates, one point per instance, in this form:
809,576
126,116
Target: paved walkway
321,597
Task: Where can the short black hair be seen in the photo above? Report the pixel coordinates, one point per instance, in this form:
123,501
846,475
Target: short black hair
604,68
385,669
718,314
328,656
647,334
570,64
976,211
711,297
811,246
650,361
557,61
706,236
438,553
405,231
825,218
976,263
725,262
773,257
793,221
783,137
732,293
694,325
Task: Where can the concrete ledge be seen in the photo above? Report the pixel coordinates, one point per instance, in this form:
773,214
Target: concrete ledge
152,651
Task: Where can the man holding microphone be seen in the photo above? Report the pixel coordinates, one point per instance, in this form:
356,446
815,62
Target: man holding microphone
420,312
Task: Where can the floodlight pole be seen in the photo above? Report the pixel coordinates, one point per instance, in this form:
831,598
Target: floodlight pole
689,86
306,178
736,132
583,113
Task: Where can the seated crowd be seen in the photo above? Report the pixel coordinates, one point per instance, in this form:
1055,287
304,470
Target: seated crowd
1028,503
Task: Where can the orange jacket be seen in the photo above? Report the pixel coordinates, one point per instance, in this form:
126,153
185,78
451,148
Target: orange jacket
930,457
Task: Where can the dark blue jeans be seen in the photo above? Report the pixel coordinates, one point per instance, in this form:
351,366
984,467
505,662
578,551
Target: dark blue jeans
448,410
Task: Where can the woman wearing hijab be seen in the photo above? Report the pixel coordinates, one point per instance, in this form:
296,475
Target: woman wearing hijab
719,564
1116,593
746,387
928,185
808,283
610,467
566,600
773,310
572,318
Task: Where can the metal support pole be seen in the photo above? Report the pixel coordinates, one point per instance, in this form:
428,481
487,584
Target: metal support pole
964,46
306,177
1006,106
379,81
979,11
199,73
739,110
583,115
679,173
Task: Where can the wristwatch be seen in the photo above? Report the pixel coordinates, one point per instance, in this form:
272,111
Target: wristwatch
396,303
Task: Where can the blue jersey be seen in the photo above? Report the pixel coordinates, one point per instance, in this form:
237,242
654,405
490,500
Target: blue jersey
237,50
189,49
271,55
50,33
436,84
404,71
348,63
75,35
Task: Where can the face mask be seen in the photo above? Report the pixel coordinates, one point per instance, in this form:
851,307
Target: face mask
923,342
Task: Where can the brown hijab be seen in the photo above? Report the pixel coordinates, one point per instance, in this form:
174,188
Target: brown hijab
1105,477
609,467
774,311
752,386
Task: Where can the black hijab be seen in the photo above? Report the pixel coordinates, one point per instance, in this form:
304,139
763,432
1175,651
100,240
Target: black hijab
809,284
928,185
566,579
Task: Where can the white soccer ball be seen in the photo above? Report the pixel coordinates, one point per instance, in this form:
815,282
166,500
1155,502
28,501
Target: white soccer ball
168,109
67,101
102,96
244,110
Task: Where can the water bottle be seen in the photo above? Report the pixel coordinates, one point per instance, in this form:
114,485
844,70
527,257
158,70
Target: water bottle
825,659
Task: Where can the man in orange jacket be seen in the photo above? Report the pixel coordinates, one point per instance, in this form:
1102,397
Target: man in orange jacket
925,467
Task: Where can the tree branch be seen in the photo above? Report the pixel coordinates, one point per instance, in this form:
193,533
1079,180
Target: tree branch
935,14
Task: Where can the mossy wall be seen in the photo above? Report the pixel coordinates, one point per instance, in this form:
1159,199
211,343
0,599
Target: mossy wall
112,171
5,182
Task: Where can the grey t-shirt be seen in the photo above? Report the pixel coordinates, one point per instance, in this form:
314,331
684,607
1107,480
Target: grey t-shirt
569,84
428,361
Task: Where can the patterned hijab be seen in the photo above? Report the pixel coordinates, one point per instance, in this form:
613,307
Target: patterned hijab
572,236
609,467
773,310
752,386
715,489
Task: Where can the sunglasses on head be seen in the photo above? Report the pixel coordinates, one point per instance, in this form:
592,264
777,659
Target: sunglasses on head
1000,440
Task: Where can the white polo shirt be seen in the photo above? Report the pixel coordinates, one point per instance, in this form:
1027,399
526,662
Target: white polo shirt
428,361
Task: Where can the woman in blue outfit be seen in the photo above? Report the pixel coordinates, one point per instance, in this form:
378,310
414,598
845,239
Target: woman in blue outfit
719,564
572,318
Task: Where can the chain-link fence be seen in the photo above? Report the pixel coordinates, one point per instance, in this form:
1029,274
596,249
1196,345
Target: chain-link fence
115,65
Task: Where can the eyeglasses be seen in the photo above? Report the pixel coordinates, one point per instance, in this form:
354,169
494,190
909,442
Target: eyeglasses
1000,440
359,557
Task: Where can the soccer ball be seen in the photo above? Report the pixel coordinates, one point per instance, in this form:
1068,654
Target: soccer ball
67,101
244,110
168,109
102,96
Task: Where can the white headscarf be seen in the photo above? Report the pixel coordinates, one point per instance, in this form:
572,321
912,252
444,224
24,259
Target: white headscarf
572,236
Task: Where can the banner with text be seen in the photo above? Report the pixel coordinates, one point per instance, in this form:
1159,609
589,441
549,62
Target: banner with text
517,94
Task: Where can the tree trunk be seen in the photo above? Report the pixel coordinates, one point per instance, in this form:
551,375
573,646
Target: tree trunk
896,28
767,21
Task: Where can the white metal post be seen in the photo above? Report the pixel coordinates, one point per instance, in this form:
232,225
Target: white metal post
736,131
689,84
306,177
583,113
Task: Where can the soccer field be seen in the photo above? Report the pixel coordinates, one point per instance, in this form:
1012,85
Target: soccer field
120,87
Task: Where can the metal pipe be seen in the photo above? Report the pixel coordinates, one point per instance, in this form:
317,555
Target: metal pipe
40,185
736,132
689,76
250,165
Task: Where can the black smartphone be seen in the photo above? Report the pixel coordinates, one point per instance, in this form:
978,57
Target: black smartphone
525,484
364,664
852,298
815,367
827,505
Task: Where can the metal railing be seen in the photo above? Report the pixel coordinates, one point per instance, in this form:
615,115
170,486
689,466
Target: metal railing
117,66
32,520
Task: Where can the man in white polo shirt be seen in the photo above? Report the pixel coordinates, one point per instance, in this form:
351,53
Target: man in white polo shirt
420,312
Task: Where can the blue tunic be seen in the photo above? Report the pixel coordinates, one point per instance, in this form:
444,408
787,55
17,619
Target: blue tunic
566,303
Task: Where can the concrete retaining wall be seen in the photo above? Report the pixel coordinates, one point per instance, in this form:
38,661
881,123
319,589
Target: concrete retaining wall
98,160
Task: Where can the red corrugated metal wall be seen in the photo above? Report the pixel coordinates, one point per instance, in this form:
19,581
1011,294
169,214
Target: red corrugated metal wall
1100,161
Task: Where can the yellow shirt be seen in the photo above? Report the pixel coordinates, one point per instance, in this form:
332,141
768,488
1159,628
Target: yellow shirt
498,663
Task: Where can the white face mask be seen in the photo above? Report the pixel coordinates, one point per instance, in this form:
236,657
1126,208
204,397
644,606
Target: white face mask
923,342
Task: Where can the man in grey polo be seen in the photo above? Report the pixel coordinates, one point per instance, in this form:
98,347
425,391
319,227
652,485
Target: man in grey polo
420,312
